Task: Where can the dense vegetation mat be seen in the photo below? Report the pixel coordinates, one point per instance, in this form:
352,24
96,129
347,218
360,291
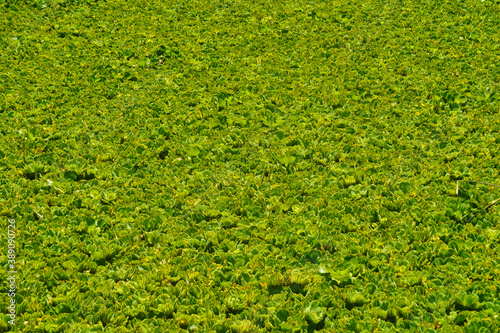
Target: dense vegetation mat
251,166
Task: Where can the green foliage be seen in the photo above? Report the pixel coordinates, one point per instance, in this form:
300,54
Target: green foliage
251,166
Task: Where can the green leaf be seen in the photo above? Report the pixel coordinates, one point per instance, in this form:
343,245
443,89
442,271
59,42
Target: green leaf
468,302
405,187
234,303
286,159
356,299
343,273
70,175
314,312
192,152
282,315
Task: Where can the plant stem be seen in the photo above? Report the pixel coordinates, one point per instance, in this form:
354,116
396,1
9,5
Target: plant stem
485,208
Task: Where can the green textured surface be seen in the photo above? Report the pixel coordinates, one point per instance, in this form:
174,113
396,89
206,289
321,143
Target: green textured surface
251,166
